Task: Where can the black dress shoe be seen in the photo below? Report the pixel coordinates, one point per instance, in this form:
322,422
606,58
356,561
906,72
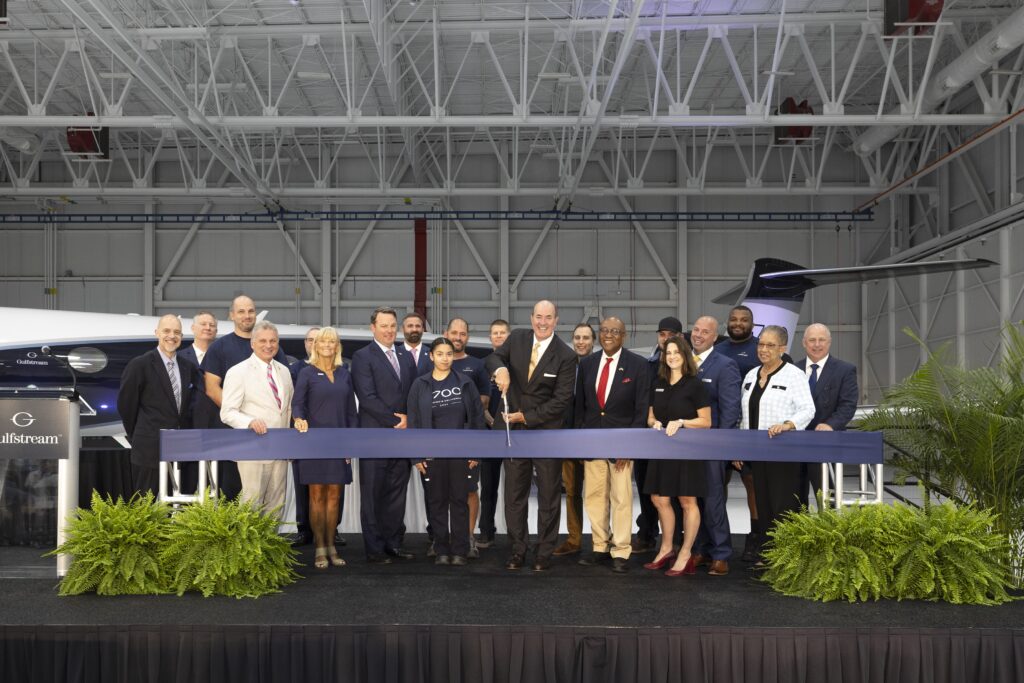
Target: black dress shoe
485,542
378,559
458,561
594,559
542,564
644,545
401,554
620,565
514,562
442,559
300,540
339,540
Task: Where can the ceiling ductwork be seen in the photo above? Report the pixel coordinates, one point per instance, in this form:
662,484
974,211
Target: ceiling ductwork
978,59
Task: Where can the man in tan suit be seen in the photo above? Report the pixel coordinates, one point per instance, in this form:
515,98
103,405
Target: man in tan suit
258,396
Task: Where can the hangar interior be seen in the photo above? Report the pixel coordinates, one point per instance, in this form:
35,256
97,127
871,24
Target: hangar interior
158,156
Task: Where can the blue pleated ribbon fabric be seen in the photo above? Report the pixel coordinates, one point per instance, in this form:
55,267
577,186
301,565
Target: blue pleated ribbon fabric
852,448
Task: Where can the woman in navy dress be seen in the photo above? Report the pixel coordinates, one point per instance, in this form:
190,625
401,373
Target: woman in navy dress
324,397
678,401
446,399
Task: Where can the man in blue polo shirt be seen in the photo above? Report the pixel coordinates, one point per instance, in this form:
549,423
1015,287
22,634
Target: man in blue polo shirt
225,353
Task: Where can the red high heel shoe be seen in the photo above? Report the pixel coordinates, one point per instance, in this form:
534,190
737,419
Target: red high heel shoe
658,564
688,568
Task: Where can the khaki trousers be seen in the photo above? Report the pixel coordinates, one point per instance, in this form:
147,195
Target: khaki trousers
609,493
572,480
263,482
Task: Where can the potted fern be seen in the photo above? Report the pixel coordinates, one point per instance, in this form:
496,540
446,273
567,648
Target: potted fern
960,432
116,547
227,547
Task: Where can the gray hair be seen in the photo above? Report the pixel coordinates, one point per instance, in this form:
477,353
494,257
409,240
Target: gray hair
779,331
264,325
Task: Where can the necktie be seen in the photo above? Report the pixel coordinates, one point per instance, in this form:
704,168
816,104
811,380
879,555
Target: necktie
696,360
813,381
273,385
534,357
172,372
415,357
602,382
394,363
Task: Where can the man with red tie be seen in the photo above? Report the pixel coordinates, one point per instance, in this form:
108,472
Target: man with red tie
612,391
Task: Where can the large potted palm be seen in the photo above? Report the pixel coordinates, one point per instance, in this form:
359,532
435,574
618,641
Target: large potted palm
960,432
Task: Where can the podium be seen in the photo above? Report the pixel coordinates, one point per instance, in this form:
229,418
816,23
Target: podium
43,424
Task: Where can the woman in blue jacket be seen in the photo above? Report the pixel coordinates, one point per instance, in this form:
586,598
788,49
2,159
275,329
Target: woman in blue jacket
445,399
324,397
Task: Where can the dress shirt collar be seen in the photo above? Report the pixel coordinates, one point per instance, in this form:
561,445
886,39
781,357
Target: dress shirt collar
821,366
414,350
385,349
544,344
701,357
166,359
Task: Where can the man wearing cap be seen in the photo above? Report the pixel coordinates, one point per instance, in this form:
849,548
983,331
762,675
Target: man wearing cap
647,522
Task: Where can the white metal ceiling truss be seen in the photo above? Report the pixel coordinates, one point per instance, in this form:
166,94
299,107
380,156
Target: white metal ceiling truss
276,95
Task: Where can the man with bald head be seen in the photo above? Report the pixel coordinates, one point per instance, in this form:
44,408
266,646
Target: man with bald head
720,377
228,351
612,391
156,393
535,371
833,385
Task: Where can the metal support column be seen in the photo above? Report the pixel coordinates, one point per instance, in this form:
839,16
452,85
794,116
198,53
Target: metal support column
148,261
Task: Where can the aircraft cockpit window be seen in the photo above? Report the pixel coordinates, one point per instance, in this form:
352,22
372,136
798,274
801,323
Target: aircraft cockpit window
87,359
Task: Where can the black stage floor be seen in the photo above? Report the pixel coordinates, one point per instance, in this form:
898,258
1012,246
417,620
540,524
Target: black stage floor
741,630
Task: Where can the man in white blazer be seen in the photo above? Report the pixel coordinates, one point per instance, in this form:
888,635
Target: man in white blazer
258,396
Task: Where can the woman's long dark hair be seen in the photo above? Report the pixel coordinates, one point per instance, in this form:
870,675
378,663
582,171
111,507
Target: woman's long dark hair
689,365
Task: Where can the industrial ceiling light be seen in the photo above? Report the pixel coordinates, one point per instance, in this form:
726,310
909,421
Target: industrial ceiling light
20,139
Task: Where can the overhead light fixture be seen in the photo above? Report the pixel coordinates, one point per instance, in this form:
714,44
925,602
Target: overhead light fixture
312,76
25,141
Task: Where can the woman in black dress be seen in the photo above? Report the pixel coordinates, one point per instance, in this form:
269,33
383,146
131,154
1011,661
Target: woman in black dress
678,401
446,399
324,397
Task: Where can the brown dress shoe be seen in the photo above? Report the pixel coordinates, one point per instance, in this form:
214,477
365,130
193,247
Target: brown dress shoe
719,568
566,548
701,560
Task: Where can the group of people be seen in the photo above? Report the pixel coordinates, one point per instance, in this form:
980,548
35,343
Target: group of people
532,380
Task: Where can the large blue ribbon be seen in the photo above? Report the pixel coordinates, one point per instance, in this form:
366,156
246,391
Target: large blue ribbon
688,444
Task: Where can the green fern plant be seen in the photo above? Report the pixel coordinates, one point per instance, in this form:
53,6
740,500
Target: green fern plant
116,547
227,548
960,432
895,552
830,555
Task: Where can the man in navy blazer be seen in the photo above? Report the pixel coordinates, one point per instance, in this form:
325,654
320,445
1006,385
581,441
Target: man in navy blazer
612,391
155,393
413,326
204,332
720,377
834,388
382,373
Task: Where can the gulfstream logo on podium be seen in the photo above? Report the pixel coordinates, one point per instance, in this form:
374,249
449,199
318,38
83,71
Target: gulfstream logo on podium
33,428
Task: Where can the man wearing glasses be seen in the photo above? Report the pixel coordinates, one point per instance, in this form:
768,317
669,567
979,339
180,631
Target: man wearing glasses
612,391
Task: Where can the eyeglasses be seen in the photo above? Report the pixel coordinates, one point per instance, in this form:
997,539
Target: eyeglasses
763,345
311,339
611,332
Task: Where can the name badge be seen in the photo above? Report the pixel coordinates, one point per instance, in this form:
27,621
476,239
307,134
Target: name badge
548,374
779,387
705,379
747,386
658,391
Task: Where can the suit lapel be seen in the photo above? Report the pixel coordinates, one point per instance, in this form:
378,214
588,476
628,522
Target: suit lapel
383,358
522,361
161,372
823,377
